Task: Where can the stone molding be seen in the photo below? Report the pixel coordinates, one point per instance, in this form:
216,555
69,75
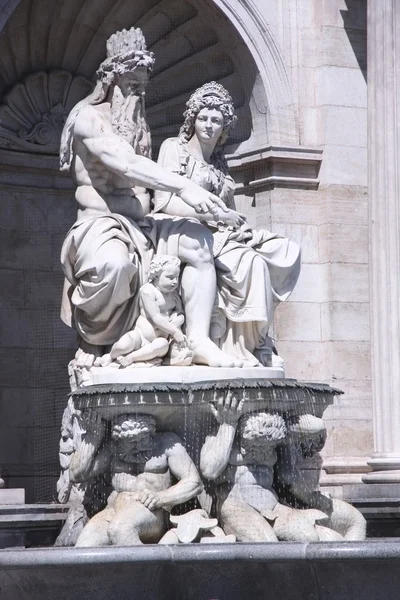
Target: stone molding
253,171
345,464
272,166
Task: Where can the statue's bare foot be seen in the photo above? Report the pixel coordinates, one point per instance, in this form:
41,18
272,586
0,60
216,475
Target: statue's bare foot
252,363
86,355
127,360
152,362
103,361
205,352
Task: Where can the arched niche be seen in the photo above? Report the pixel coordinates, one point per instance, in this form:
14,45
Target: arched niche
194,41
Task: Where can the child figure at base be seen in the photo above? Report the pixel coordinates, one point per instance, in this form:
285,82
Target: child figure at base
160,321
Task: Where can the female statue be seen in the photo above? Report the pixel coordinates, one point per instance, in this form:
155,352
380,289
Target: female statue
255,269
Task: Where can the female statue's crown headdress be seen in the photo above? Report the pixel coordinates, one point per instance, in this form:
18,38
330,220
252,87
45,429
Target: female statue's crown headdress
211,90
126,51
212,95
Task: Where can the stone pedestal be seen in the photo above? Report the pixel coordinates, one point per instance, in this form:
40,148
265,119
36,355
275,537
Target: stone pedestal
384,192
183,406
12,496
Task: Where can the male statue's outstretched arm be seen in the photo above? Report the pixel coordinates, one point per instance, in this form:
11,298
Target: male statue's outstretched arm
89,459
120,158
216,450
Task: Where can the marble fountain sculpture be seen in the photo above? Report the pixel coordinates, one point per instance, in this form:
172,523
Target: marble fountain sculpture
181,426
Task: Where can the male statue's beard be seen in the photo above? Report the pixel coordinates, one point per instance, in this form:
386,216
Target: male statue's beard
129,121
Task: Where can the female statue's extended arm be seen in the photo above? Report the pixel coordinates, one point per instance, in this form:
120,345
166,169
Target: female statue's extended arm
172,204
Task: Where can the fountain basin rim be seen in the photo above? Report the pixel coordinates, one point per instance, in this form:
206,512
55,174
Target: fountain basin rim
237,383
269,552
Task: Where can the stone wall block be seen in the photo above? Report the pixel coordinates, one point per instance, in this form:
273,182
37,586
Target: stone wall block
26,328
348,438
344,48
27,407
312,285
47,367
16,446
63,336
12,209
307,361
298,321
340,86
339,13
348,283
43,289
341,321
11,288
338,121
307,236
341,243
25,250
345,165
351,360
344,204
49,212
13,367
295,206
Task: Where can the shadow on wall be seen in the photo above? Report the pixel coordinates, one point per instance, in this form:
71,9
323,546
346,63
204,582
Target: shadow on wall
355,25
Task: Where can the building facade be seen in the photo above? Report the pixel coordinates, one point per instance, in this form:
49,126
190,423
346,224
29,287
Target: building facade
297,70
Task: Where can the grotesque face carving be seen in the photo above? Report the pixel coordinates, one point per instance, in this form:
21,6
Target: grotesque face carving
260,433
133,436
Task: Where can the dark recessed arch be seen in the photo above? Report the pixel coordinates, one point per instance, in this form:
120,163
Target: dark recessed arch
194,41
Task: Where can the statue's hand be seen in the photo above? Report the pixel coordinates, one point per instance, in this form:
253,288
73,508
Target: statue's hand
150,500
179,337
92,426
177,319
228,409
202,201
233,219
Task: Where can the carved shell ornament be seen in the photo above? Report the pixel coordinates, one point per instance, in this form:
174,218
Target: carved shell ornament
35,110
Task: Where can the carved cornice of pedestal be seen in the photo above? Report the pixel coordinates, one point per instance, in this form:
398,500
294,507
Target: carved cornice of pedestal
272,166
169,402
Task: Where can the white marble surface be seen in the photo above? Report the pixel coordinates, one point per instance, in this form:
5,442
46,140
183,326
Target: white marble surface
12,496
192,374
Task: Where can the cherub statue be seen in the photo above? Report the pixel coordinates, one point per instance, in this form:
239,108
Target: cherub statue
160,321
240,457
144,465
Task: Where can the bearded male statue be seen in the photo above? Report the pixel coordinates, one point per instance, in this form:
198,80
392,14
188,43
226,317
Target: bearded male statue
105,257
